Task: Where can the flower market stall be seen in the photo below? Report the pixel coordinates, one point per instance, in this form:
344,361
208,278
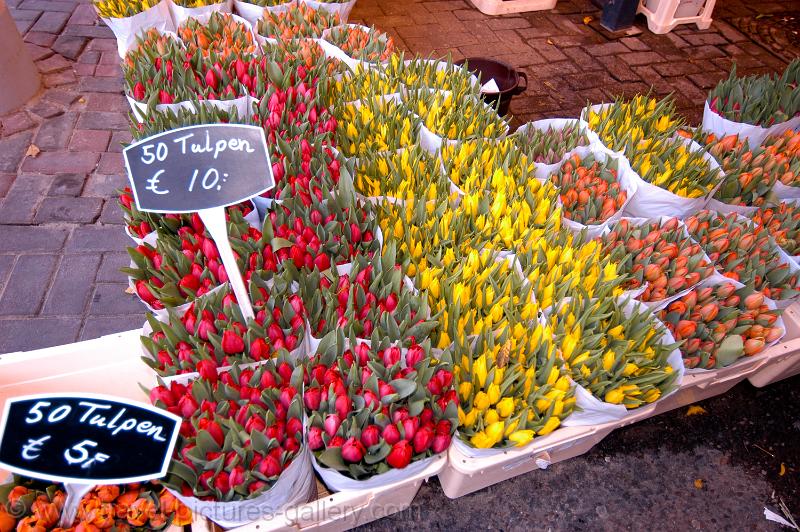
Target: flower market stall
357,277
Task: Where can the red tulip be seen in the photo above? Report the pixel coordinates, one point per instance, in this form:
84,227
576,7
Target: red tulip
414,356
343,406
441,442
232,343
315,441
352,451
400,455
391,434
423,439
269,466
332,423
312,398
410,426
208,370
370,436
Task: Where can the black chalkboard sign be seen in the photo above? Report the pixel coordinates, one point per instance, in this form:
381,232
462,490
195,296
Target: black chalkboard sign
86,439
199,167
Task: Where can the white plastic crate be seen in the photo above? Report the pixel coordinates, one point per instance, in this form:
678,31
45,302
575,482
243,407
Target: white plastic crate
664,15
505,7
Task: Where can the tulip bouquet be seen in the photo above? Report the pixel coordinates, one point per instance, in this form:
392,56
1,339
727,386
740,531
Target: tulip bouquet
361,43
759,100
783,224
30,505
589,188
186,265
213,333
140,224
34,506
511,386
475,166
622,124
364,83
428,234
483,292
221,36
162,71
122,8
297,22
550,145
371,298
302,168
375,125
196,3
786,149
749,173
672,165
141,507
298,67
658,255
374,407
329,232
744,253
615,350
456,117
719,324
292,113
559,265
408,174
305,57
269,3
427,73
160,120
242,429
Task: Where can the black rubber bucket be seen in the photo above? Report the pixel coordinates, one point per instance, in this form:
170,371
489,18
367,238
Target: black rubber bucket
506,77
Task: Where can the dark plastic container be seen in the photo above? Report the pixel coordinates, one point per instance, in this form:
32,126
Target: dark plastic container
506,77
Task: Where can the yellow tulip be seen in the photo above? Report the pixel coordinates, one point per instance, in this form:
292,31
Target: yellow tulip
521,437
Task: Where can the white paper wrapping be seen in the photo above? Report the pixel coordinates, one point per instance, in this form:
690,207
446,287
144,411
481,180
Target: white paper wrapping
755,135
126,29
651,200
252,13
293,487
593,411
336,481
180,14
342,8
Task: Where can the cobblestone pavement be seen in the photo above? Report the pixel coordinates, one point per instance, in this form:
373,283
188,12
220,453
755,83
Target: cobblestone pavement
62,243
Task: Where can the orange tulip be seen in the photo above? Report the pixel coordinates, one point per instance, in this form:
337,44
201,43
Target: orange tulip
139,512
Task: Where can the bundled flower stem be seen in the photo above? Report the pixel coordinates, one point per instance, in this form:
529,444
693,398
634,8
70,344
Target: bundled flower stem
744,253
512,386
499,166
750,173
673,166
430,73
456,117
375,125
783,224
122,8
590,190
364,44
785,148
241,429
549,146
623,123
409,174
364,83
213,333
759,100
559,265
376,407
371,299
719,324
618,357
659,256
297,22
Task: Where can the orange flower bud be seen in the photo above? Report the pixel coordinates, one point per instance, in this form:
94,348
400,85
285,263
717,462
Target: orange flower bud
46,513
139,512
107,493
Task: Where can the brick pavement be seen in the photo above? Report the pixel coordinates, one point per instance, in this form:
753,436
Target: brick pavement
61,242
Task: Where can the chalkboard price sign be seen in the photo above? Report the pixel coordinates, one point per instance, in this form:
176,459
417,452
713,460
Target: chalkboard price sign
199,167
86,439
